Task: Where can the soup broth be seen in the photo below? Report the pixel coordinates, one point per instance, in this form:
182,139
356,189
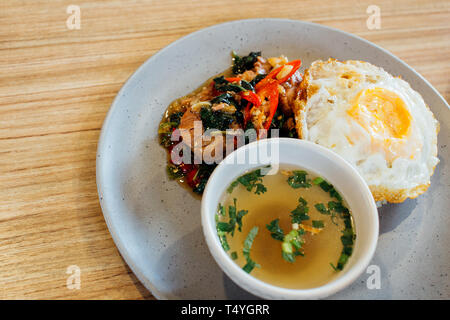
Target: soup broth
322,246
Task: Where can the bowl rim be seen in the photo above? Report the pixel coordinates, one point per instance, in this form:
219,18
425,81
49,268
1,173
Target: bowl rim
257,286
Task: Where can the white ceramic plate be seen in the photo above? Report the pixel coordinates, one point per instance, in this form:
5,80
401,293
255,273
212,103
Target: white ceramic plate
156,224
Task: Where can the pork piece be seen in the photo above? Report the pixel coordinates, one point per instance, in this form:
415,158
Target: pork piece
262,66
186,127
289,92
194,139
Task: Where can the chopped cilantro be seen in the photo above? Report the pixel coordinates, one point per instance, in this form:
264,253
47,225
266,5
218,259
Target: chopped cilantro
223,241
235,218
327,187
334,208
317,224
224,227
321,208
299,214
298,179
239,217
222,235
246,250
221,210
275,231
251,180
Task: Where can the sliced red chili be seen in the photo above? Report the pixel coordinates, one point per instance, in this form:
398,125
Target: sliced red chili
295,66
233,79
273,74
186,168
270,92
192,177
252,97
247,114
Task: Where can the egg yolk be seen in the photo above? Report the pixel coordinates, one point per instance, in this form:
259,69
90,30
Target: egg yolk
385,116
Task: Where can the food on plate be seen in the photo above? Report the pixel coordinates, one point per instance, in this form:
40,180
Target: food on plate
375,121
292,229
255,94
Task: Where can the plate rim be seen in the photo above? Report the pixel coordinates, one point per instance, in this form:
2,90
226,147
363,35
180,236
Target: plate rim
101,144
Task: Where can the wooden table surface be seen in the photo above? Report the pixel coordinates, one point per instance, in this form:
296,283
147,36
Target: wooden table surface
57,84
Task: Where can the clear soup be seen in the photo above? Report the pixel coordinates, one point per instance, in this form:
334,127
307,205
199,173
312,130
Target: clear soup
309,211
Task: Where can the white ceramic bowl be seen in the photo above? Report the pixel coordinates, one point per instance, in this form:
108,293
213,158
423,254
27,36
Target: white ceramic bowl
320,161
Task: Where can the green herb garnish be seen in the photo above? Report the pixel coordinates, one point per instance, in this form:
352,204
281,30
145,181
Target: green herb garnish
242,64
215,119
317,224
318,180
251,180
298,179
175,118
322,208
327,187
221,210
257,79
250,265
222,235
292,243
174,172
239,216
299,214
204,172
275,231
234,255
235,217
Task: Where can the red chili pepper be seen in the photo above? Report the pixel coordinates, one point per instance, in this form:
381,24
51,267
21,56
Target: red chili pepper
186,168
252,97
295,66
215,92
247,114
235,79
191,178
270,92
273,74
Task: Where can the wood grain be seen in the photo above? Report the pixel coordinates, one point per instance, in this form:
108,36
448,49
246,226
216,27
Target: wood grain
56,86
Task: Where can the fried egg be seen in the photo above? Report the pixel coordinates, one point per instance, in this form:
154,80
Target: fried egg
375,121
